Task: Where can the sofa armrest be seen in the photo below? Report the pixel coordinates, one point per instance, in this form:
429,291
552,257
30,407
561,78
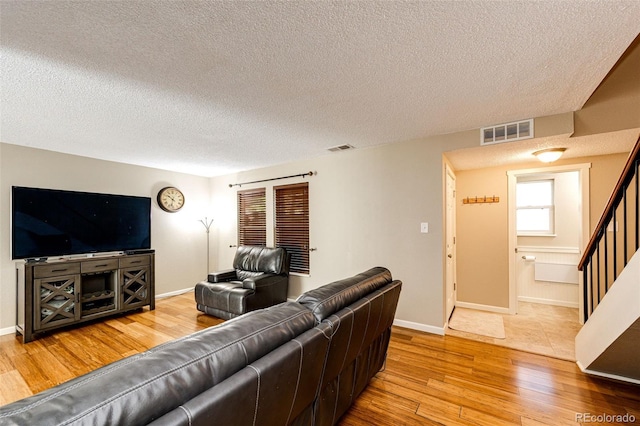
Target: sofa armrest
221,276
261,281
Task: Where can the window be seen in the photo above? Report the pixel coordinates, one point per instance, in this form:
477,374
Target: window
252,217
292,224
535,207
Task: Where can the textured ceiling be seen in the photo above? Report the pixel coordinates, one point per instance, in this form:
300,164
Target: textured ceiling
210,88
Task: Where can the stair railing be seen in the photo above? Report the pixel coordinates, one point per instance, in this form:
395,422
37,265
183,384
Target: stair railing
615,238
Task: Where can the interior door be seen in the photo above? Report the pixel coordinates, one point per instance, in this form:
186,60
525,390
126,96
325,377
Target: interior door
450,241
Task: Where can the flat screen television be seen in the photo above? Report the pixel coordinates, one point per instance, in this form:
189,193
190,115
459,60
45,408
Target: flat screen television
48,222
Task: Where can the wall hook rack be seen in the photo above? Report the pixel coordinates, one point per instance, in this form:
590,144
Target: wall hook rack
481,200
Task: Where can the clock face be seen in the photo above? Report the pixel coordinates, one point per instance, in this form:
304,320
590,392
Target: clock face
170,199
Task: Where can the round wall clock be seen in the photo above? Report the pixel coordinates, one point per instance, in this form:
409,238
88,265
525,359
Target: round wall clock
170,199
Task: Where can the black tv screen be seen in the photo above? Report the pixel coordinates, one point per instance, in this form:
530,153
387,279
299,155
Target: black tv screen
47,222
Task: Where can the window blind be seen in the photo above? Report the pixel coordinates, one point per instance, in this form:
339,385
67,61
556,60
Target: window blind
252,217
292,223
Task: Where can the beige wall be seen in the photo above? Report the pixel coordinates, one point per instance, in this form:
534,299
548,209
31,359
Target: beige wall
366,207
482,262
603,180
366,210
482,230
615,105
179,240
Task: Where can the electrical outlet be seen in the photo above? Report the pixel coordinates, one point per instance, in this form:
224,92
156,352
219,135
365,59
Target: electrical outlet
424,227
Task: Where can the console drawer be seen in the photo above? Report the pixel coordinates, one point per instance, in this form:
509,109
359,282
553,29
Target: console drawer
99,265
141,260
54,270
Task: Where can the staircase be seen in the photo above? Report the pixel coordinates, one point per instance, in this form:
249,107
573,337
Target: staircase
607,345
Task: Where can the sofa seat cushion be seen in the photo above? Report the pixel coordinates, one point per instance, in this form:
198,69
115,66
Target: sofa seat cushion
331,298
143,387
224,286
227,296
243,275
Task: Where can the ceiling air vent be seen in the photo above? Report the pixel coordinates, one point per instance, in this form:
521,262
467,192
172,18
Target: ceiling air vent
508,132
340,148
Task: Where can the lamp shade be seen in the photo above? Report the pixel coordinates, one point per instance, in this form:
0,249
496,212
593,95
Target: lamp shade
549,155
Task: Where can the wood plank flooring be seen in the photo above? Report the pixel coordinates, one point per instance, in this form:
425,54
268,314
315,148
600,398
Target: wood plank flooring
52,359
428,379
432,379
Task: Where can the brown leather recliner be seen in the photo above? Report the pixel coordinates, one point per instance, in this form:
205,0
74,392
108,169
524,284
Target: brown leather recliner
259,278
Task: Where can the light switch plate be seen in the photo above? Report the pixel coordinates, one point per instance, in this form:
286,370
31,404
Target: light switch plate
424,227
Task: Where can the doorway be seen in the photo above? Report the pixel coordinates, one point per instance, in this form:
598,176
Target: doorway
488,243
543,261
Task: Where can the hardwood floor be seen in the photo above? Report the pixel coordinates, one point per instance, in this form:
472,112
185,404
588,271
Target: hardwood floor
432,379
428,379
50,360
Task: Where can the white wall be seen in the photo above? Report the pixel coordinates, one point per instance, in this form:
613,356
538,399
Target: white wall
178,238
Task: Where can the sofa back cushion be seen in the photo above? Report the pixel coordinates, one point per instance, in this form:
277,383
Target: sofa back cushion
277,389
143,387
331,298
359,340
250,260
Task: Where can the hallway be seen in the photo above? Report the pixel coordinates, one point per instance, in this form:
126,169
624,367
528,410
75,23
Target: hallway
537,328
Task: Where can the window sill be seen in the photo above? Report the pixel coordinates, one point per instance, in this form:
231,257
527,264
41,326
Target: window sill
536,235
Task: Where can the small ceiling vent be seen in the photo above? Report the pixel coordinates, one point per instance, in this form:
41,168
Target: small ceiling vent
508,132
340,148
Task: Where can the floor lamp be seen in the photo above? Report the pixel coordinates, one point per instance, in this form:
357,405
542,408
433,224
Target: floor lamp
207,225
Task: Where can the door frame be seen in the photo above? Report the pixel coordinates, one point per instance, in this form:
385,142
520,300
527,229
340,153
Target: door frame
450,276
512,177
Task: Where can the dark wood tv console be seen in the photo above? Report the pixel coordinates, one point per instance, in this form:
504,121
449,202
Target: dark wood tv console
58,293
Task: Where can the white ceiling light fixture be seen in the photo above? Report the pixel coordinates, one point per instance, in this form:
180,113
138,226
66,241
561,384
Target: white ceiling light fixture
549,155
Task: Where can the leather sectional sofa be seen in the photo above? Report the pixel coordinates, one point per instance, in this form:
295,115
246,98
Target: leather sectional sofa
296,363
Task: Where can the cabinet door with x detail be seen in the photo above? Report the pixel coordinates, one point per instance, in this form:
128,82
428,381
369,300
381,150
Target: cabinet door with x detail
56,301
135,287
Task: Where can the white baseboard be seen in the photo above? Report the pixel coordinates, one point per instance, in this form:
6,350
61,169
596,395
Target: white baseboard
607,375
8,330
548,302
174,293
420,327
488,308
